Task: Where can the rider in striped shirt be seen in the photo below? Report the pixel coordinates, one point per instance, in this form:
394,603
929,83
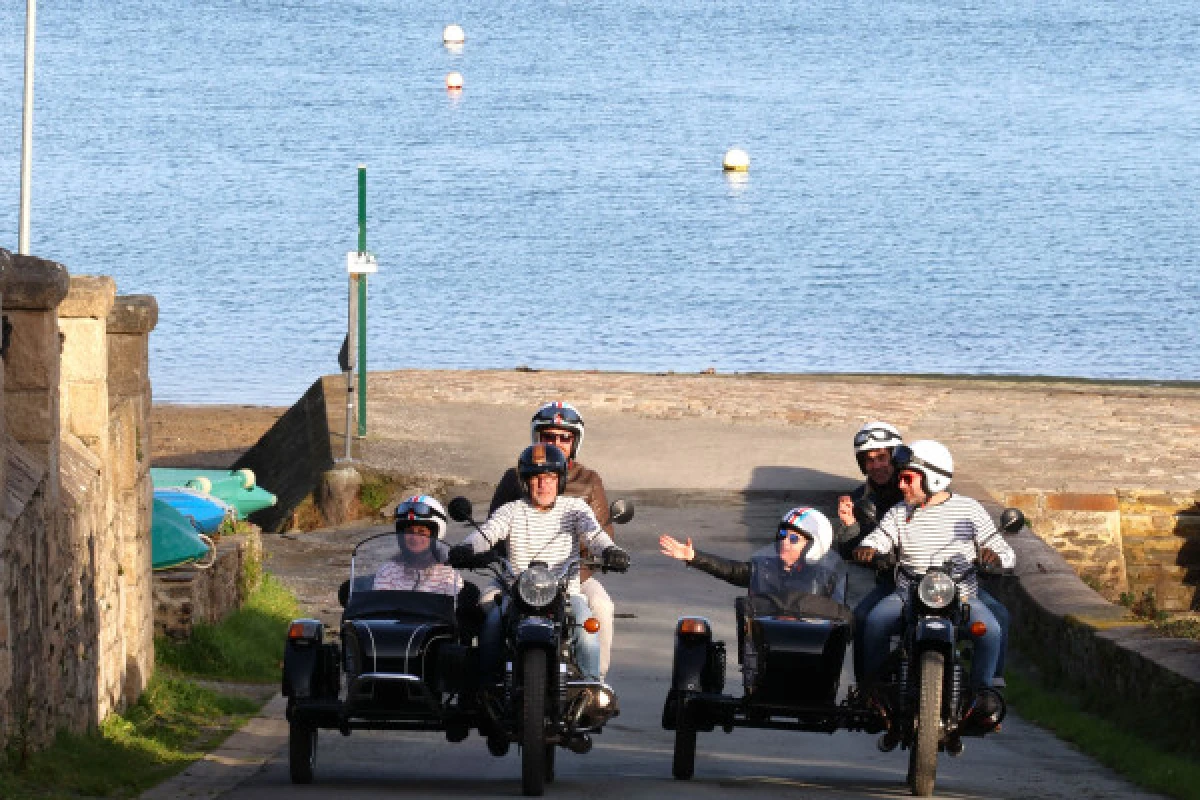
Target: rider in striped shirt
931,527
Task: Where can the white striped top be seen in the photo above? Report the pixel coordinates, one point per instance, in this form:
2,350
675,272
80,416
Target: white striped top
551,536
436,578
930,535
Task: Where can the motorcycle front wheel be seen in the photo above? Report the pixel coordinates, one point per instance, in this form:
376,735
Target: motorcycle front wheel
922,765
533,722
683,763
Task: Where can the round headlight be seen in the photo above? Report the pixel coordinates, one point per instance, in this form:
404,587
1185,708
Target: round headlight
537,586
936,590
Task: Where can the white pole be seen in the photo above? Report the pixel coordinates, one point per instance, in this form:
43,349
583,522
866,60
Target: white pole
27,128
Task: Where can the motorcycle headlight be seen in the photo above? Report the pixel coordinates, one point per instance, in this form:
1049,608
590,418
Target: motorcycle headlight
936,590
537,586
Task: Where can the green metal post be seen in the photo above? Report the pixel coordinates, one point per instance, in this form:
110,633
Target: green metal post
362,303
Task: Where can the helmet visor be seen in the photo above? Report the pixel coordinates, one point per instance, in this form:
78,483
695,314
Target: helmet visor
415,510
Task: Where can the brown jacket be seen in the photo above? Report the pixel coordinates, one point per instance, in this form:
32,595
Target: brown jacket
581,482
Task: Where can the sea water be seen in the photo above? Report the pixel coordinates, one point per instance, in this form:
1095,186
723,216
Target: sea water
935,186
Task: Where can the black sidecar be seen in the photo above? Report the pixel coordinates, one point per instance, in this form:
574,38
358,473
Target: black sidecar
793,632
404,661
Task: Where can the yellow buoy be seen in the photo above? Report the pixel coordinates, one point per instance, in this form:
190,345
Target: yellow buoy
737,160
453,34
454,81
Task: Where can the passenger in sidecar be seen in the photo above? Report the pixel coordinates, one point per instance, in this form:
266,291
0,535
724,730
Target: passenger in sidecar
405,661
793,630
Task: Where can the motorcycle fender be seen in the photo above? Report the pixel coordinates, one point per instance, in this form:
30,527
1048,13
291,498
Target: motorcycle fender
301,669
935,630
536,631
691,656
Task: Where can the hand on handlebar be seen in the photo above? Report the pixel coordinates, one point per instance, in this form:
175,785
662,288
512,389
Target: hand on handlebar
989,558
615,559
461,556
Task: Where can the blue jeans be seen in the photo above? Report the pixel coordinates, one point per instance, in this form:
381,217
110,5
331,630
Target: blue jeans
861,612
887,618
585,647
1003,619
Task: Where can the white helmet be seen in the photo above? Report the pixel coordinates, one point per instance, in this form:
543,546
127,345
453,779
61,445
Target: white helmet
874,436
422,509
558,415
814,525
931,459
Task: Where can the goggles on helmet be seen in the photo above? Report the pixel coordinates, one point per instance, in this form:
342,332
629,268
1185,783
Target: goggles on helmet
906,459
873,435
413,510
557,416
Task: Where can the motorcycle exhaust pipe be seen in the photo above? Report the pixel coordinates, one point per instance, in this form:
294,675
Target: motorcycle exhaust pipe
580,744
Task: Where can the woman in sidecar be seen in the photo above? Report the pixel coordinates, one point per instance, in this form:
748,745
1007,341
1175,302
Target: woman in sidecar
793,630
406,626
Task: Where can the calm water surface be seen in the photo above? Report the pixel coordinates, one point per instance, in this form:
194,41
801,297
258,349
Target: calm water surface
936,186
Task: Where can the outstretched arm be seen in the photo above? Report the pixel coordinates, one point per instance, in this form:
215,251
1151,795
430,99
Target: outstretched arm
735,572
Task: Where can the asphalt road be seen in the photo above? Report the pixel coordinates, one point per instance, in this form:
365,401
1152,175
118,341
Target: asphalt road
632,759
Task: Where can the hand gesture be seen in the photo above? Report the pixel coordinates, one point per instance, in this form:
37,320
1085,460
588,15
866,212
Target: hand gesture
863,555
845,510
676,549
988,557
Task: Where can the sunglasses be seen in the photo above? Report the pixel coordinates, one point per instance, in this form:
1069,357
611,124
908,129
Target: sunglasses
872,435
909,477
791,536
553,437
410,510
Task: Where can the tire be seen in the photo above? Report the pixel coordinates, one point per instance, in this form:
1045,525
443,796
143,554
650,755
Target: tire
683,764
922,764
302,752
533,721
551,751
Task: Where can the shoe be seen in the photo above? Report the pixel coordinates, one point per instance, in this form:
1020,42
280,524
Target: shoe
998,682
984,714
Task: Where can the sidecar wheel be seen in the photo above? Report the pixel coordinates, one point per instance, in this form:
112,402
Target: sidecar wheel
551,750
922,763
683,764
302,752
533,720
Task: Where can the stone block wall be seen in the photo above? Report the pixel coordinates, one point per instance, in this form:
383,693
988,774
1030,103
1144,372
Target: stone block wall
185,597
76,618
1129,540
1160,533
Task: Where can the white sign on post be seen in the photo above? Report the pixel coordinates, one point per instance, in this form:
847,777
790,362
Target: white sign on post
361,263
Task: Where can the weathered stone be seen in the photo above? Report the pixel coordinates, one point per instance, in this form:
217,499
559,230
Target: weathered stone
33,352
32,417
85,412
84,350
89,296
337,495
128,365
1076,501
133,314
34,284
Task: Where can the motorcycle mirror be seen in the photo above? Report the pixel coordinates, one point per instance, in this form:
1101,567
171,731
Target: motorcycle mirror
460,509
621,511
1012,520
344,593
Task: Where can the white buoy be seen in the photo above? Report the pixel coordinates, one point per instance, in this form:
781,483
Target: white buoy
737,160
453,34
454,81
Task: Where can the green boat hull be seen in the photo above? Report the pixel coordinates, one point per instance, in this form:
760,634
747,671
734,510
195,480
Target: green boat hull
174,542
238,489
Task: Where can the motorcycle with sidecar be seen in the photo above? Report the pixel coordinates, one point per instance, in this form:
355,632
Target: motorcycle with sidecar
793,631
405,660
544,701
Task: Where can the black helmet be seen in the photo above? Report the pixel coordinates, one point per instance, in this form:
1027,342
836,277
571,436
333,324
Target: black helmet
558,415
540,458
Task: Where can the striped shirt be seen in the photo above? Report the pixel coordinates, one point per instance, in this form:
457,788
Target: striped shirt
931,535
436,578
552,536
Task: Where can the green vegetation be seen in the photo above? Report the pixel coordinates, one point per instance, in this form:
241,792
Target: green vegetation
174,722
1144,606
246,646
374,494
1147,764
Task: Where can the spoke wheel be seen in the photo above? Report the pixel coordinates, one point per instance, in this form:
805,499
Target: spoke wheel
922,764
534,766
683,764
302,752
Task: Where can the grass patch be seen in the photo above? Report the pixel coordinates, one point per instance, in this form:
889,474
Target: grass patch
374,494
1146,764
1186,628
173,723
246,646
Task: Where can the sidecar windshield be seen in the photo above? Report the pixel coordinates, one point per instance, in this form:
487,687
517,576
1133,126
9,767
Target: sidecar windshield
402,573
804,589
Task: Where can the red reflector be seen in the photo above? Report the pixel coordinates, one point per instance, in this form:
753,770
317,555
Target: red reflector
692,625
296,631
591,624
978,628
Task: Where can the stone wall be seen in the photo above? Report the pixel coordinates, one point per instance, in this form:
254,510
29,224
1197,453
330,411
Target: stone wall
1129,540
75,604
185,597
